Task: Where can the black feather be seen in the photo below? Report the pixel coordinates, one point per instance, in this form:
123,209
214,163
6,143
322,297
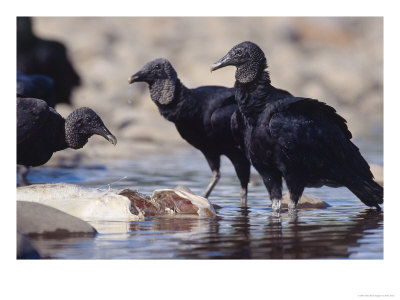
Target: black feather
301,140
36,86
41,131
201,115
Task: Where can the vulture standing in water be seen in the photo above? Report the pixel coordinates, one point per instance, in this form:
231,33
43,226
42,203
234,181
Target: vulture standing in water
202,117
301,140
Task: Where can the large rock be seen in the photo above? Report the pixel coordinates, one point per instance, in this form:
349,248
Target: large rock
25,250
37,219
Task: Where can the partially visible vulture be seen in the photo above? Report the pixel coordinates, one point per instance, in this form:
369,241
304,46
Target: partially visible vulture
41,131
45,57
36,86
201,115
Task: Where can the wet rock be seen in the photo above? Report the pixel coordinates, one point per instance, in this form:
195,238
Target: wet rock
377,171
54,247
305,202
25,250
37,219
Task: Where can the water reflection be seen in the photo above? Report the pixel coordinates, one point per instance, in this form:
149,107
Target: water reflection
299,239
283,238
344,230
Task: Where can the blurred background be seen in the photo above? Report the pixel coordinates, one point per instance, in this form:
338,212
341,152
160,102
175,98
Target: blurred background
336,60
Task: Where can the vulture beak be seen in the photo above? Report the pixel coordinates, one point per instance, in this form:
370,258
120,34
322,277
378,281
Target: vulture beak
135,78
105,133
223,62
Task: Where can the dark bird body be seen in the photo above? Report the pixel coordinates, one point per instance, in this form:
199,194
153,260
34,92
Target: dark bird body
41,131
33,86
301,140
202,117
45,57
36,86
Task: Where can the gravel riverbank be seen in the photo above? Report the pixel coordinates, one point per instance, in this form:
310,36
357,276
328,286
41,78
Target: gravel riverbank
336,60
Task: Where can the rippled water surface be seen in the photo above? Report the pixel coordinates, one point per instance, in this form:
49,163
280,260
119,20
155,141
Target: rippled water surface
346,229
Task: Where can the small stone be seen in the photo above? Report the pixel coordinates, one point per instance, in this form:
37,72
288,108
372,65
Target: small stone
305,202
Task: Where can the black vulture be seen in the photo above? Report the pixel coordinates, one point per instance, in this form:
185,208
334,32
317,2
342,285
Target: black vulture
202,117
36,86
41,131
45,57
301,140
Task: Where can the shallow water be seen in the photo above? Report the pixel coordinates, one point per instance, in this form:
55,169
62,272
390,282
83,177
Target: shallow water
346,229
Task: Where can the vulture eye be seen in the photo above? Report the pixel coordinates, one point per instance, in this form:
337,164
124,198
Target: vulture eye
239,52
158,67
